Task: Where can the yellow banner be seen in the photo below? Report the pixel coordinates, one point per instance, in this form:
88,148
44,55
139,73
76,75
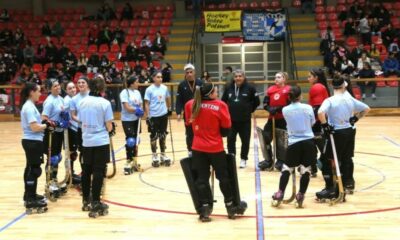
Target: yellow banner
222,21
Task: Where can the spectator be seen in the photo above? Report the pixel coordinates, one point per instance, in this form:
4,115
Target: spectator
126,70
166,72
19,36
394,47
51,52
227,75
82,63
205,77
6,38
119,35
112,70
46,30
364,58
105,36
57,30
132,52
70,62
93,34
365,30
106,13
144,78
367,72
145,47
104,63
138,68
159,43
127,12
151,69
29,54
374,52
391,65
335,66
376,27
355,11
324,45
356,53
307,4
349,27
383,15
41,54
62,53
388,35
93,64
347,66
4,16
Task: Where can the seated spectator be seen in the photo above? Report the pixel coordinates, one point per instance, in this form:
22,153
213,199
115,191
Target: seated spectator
376,27
82,63
93,34
350,27
51,52
106,13
119,36
6,38
324,45
335,66
166,72
105,36
330,35
374,52
127,12
144,50
138,68
365,30
4,16
355,11
388,35
391,65
29,54
71,63
57,30
46,30
132,52
151,69
126,70
367,72
144,77
113,71
25,75
19,36
159,43
93,64
52,71
227,75
205,77
104,63
347,66
394,47
41,56
383,15
356,53
364,58
62,53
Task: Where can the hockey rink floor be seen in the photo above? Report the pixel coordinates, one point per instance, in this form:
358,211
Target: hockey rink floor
156,204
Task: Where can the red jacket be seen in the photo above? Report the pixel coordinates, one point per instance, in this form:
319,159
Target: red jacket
213,115
278,97
317,94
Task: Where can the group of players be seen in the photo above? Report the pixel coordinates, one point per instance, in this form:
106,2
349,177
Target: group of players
207,120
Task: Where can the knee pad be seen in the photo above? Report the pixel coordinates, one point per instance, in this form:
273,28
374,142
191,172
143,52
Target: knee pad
73,156
285,168
304,170
36,171
153,136
54,160
130,142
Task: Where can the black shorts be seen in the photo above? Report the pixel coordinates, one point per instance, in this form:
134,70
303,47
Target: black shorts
301,153
96,156
159,124
73,140
33,151
130,128
57,139
344,143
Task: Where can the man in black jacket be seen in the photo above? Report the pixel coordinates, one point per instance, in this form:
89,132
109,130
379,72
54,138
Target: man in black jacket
185,92
242,100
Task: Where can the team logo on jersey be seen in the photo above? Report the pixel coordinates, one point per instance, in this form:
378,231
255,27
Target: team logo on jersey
277,96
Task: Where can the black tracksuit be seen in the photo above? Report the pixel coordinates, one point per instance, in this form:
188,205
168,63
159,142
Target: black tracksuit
241,105
183,95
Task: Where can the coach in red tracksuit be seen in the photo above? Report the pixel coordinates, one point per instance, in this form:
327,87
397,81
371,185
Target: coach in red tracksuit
276,97
210,120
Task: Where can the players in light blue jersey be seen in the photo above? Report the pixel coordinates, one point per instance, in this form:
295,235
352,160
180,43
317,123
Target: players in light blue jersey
299,119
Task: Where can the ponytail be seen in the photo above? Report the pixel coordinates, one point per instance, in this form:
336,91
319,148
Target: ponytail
319,73
196,103
26,92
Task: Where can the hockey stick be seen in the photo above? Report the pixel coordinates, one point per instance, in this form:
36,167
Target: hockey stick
286,201
172,141
274,142
212,184
114,170
48,172
341,196
137,166
67,163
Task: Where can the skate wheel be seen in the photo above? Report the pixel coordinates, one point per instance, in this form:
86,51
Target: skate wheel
275,203
104,212
28,211
53,199
93,214
41,210
299,205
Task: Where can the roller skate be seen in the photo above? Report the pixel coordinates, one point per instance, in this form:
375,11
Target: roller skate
35,206
76,179
277,199
86,206
63,188
299,200
156,161
98,209
54,191
236,210
128,167
349,187
266,165
278,165
243,163
37,197
166,161
326,195
205,212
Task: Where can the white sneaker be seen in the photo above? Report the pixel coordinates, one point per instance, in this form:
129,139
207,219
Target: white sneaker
164,157
155,157
243,163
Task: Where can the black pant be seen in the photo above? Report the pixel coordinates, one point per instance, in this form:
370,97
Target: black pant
268,136
189,137
130,130
157,126
95,160
201,168
34,158
244,130
369,84
344,150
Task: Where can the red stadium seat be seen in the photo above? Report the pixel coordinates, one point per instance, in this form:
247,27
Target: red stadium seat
131,31
112,57
380,83
335,25
264,5
319,2
159,8
319,10
168,15
320,17
388,6
152,31
157,15
135,23
341,8
211,7
115,48
296,3
155,23
103,48
350,2
332,17
351,41
341,2
142,31
92,48
233,5
275,4
144,64
243,5
357,92
222,6
145,23
114,23
124,23
166,23
323,25
37,67
253,5
164,30
330,9
169,8
119,65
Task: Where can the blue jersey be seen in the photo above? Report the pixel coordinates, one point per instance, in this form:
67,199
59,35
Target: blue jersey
52,107
340,108
134,99
157,100
30,114
299,121
67,104
94,112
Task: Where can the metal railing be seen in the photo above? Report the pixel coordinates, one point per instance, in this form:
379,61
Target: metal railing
292,54
193,42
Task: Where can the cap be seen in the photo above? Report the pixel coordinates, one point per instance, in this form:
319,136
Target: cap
188,66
